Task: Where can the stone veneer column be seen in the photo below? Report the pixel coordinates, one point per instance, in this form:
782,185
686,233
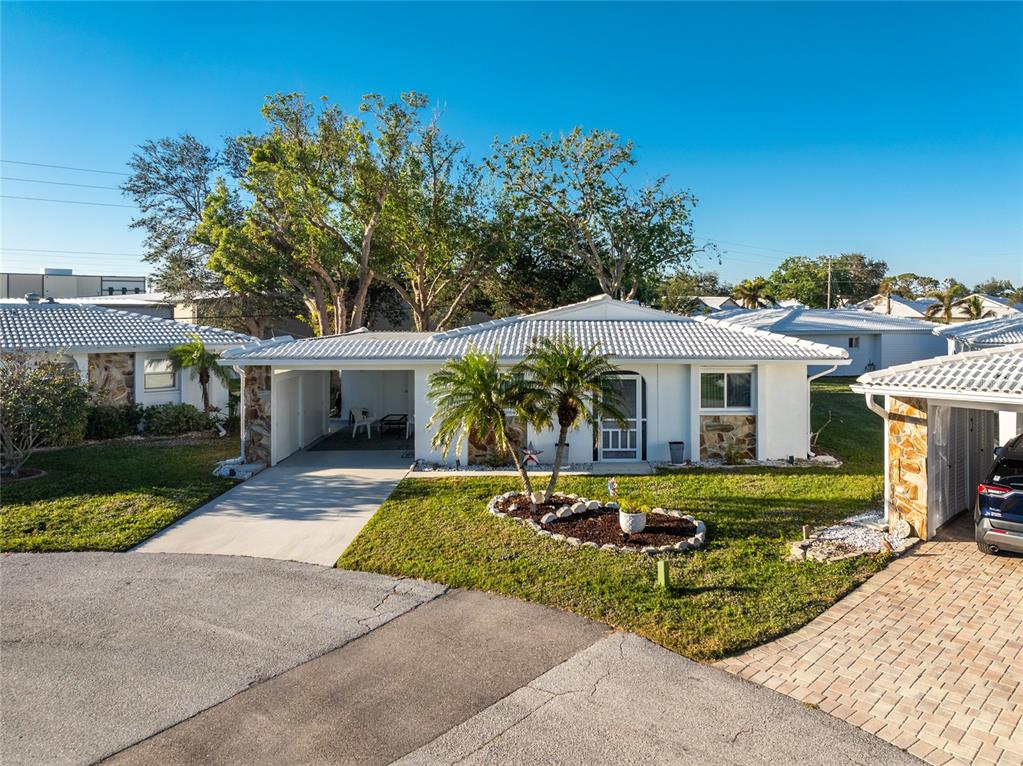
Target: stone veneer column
112,377
907,462
256,416
719,432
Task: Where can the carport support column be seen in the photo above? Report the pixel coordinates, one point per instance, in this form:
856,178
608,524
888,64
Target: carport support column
256,414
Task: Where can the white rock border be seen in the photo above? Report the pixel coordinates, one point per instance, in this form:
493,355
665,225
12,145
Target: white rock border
582,505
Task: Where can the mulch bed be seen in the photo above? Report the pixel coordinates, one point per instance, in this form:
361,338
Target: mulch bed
601,526
27,474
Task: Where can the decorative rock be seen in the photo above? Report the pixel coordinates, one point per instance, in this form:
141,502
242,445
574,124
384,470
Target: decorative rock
649,549
501,514
590,544
901,529
573,540
544,533
675,514
700,527
593,505
657,510
537,497
609,547
681,545
700,537
612,506
513,507
693,542
563,512
578,507
559,538
532,524
572,497
690,519
666,548
547,518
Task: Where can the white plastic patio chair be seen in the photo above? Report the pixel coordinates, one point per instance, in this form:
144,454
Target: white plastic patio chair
363,419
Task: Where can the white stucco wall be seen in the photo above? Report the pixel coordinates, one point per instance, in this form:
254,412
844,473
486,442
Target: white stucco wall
783,411
868,351
299,410
382,392
901,348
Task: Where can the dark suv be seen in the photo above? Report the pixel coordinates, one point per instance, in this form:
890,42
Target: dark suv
998,517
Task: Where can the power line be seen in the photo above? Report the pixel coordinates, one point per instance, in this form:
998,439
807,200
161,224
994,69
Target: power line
65,201
65,167
68,252
58,183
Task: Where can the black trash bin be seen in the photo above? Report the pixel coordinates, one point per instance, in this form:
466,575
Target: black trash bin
677,451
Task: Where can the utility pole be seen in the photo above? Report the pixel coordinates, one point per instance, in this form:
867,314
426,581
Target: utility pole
829,282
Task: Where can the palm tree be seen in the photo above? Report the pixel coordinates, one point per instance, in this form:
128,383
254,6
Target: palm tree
973,307
947,299
751,293
571,384
1015,297
886,288
194,356
471,395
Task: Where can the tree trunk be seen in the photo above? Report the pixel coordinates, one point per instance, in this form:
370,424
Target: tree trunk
523,474
559,453
204,384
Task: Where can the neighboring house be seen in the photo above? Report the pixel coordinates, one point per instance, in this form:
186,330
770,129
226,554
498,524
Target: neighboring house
999,307
872,340
63,283
982,333
685,379
121,354
943,419
897,306
153,304
716,302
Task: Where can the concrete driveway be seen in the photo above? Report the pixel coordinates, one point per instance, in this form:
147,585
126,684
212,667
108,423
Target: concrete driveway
306,508
927,654
181,659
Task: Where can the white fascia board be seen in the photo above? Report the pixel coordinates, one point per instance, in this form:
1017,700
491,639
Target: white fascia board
1007,400
376,363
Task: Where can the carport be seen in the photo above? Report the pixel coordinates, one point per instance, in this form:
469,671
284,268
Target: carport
943,419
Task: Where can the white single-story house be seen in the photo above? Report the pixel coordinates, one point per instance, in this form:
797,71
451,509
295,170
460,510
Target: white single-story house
717,302
941,428
119,353
998,307
684,379
872,340
982,333
897,306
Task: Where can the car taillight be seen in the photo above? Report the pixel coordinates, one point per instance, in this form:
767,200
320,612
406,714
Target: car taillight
993,489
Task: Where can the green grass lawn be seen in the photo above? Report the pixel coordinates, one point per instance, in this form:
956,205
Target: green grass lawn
108,497
735,593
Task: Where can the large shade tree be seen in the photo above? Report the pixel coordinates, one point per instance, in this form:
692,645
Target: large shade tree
853,278
569,385
625,235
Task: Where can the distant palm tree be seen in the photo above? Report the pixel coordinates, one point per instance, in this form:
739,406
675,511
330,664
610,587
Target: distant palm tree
203,364
973,307
1015,297
751,293
947,300
572,385
472,394
886,288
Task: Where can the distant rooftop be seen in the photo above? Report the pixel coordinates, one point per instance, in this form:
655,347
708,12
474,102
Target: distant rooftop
985,333
803,320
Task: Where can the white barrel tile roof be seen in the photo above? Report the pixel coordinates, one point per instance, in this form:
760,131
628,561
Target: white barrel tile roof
983,333
80,327
670,338
996,371
802,320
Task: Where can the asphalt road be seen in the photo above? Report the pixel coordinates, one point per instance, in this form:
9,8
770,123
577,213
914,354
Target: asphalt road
178,659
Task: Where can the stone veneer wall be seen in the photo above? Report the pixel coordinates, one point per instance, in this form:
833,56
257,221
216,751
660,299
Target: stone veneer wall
112,377
256,418
719,432
907,462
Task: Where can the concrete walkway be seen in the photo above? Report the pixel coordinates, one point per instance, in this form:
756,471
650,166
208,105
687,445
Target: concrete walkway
307,508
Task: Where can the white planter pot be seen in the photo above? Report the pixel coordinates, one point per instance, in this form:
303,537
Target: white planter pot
631,523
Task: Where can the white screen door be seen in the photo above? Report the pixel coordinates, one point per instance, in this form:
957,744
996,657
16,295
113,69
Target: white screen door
617,443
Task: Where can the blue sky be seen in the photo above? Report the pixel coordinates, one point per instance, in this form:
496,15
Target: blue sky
893,130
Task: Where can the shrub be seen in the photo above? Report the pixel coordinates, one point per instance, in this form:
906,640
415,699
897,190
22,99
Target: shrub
167,419
42,403
109,421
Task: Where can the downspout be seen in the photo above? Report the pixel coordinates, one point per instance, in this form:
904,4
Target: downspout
809,403
241,406
881,412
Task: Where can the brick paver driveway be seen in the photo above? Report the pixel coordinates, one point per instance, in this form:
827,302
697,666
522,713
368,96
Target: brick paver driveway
926,654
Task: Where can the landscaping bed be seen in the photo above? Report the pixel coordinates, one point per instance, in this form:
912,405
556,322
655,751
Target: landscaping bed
594,524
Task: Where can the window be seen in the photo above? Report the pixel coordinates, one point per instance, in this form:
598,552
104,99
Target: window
159,374
726,390
854,342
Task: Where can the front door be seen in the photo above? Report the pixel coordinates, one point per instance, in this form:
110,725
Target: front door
617,443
